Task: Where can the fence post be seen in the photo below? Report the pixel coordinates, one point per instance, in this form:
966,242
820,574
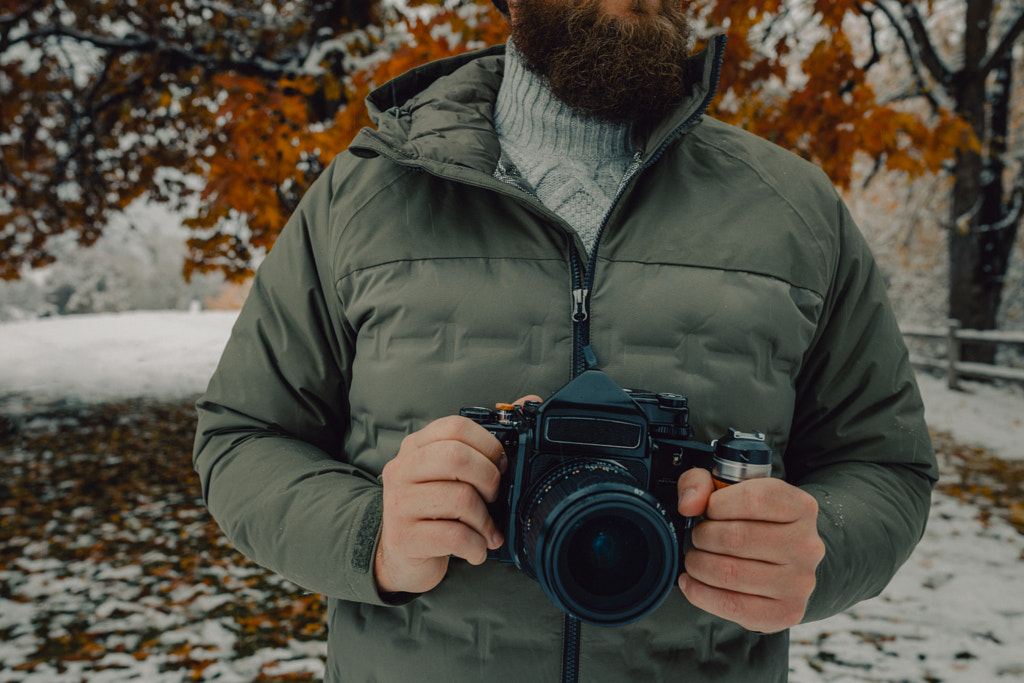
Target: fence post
953,342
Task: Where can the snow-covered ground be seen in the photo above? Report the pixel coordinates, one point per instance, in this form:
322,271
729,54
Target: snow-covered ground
955,612
171,354
112,356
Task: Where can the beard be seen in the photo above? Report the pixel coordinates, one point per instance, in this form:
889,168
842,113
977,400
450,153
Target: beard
629,68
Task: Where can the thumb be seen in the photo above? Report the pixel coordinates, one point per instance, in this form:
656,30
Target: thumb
695,488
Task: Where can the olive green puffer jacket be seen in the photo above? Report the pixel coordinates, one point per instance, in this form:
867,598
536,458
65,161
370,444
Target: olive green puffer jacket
410,283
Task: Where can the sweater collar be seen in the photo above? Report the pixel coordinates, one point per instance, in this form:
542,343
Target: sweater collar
530,118
443,113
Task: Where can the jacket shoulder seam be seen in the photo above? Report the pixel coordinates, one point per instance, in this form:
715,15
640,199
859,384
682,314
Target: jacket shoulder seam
823,248
336,244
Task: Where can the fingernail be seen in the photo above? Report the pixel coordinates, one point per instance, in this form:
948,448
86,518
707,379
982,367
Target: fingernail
496,540
503,464
687,495
682,582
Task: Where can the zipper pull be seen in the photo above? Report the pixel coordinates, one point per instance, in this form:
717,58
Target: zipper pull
579,305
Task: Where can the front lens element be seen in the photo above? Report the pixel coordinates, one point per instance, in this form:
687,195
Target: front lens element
607,555
603,549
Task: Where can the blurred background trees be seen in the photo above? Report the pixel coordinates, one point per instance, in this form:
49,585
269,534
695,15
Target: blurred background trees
226,110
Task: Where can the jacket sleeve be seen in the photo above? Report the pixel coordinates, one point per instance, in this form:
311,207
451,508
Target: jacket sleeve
859,442
272,422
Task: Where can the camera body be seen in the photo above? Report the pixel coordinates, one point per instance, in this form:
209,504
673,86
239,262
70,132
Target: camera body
588,502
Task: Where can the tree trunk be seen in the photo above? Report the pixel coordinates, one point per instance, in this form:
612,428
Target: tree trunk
983,229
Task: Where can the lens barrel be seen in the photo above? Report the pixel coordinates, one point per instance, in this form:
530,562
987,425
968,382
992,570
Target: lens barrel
602,548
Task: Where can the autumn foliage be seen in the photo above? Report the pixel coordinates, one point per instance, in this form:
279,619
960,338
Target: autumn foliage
244,103
272,145
835,114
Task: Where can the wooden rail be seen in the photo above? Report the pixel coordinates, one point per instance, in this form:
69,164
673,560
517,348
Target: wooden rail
954,337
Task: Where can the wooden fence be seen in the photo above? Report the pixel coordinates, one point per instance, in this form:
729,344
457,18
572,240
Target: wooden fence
955,337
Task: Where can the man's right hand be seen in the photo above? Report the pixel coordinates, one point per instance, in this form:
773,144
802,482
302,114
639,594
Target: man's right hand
435,495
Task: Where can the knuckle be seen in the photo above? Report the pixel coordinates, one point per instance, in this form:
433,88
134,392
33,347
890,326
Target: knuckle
733,537
453,454
463,498
493,483
729,572
809,505
812,548
464,541
762,495
389,473
731,605
459,427
805,586
817,550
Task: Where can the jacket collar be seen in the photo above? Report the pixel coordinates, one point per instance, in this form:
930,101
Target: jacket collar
442,113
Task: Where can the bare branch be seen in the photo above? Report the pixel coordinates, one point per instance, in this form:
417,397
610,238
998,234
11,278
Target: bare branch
926,52
910,48
876,55
1005,45
131,42
140,43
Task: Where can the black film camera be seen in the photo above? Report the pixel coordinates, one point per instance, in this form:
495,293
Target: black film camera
588,502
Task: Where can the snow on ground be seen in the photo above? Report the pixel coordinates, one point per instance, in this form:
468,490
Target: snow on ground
955,612
171,354
979,414
161,354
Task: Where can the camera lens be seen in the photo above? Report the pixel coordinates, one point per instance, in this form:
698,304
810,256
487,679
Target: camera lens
602,548
607,554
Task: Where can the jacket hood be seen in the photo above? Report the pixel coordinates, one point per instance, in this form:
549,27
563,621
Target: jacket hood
443,112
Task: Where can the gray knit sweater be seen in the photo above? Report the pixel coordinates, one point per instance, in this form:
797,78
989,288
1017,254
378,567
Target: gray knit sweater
574,164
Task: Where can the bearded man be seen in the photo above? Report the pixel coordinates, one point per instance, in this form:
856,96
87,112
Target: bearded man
522,215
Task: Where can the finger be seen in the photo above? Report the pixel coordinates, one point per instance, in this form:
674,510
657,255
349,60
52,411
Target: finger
451,501
530,397
460,429
768,500
738,575
775,543
442,538
694,487
752,612
449,461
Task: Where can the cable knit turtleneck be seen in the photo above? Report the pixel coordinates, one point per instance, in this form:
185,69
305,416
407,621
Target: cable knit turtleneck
573,164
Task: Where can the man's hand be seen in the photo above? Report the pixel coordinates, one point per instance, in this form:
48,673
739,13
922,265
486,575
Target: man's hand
436,492
435,495
755,554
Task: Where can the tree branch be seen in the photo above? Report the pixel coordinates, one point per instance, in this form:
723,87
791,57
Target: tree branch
1005,45
141,43
925,50
876,55
911,49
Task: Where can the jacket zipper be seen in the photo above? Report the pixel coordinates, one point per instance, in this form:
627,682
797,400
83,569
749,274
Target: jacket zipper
583,355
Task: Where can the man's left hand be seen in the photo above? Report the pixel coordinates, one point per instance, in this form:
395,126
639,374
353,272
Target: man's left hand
755,554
